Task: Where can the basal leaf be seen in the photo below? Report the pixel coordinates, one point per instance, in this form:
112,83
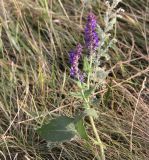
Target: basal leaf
58,130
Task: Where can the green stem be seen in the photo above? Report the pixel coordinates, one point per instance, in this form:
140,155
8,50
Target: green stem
102,155
89,74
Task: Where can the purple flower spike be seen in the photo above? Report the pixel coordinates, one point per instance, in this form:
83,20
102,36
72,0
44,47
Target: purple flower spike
74,61
91,36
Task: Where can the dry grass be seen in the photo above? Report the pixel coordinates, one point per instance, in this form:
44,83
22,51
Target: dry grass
34,79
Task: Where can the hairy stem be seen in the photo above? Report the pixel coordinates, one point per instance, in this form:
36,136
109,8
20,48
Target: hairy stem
102,155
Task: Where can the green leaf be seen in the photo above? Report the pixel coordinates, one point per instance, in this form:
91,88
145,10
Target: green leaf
88,92
58,130
100,75
91,112
86,65
100,30
111,24
81,129
76,94
79,84
88,112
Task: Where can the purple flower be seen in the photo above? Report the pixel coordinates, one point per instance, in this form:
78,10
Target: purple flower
74,61
91,36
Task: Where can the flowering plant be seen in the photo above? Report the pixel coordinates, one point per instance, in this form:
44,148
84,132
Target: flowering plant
97,44
91,43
